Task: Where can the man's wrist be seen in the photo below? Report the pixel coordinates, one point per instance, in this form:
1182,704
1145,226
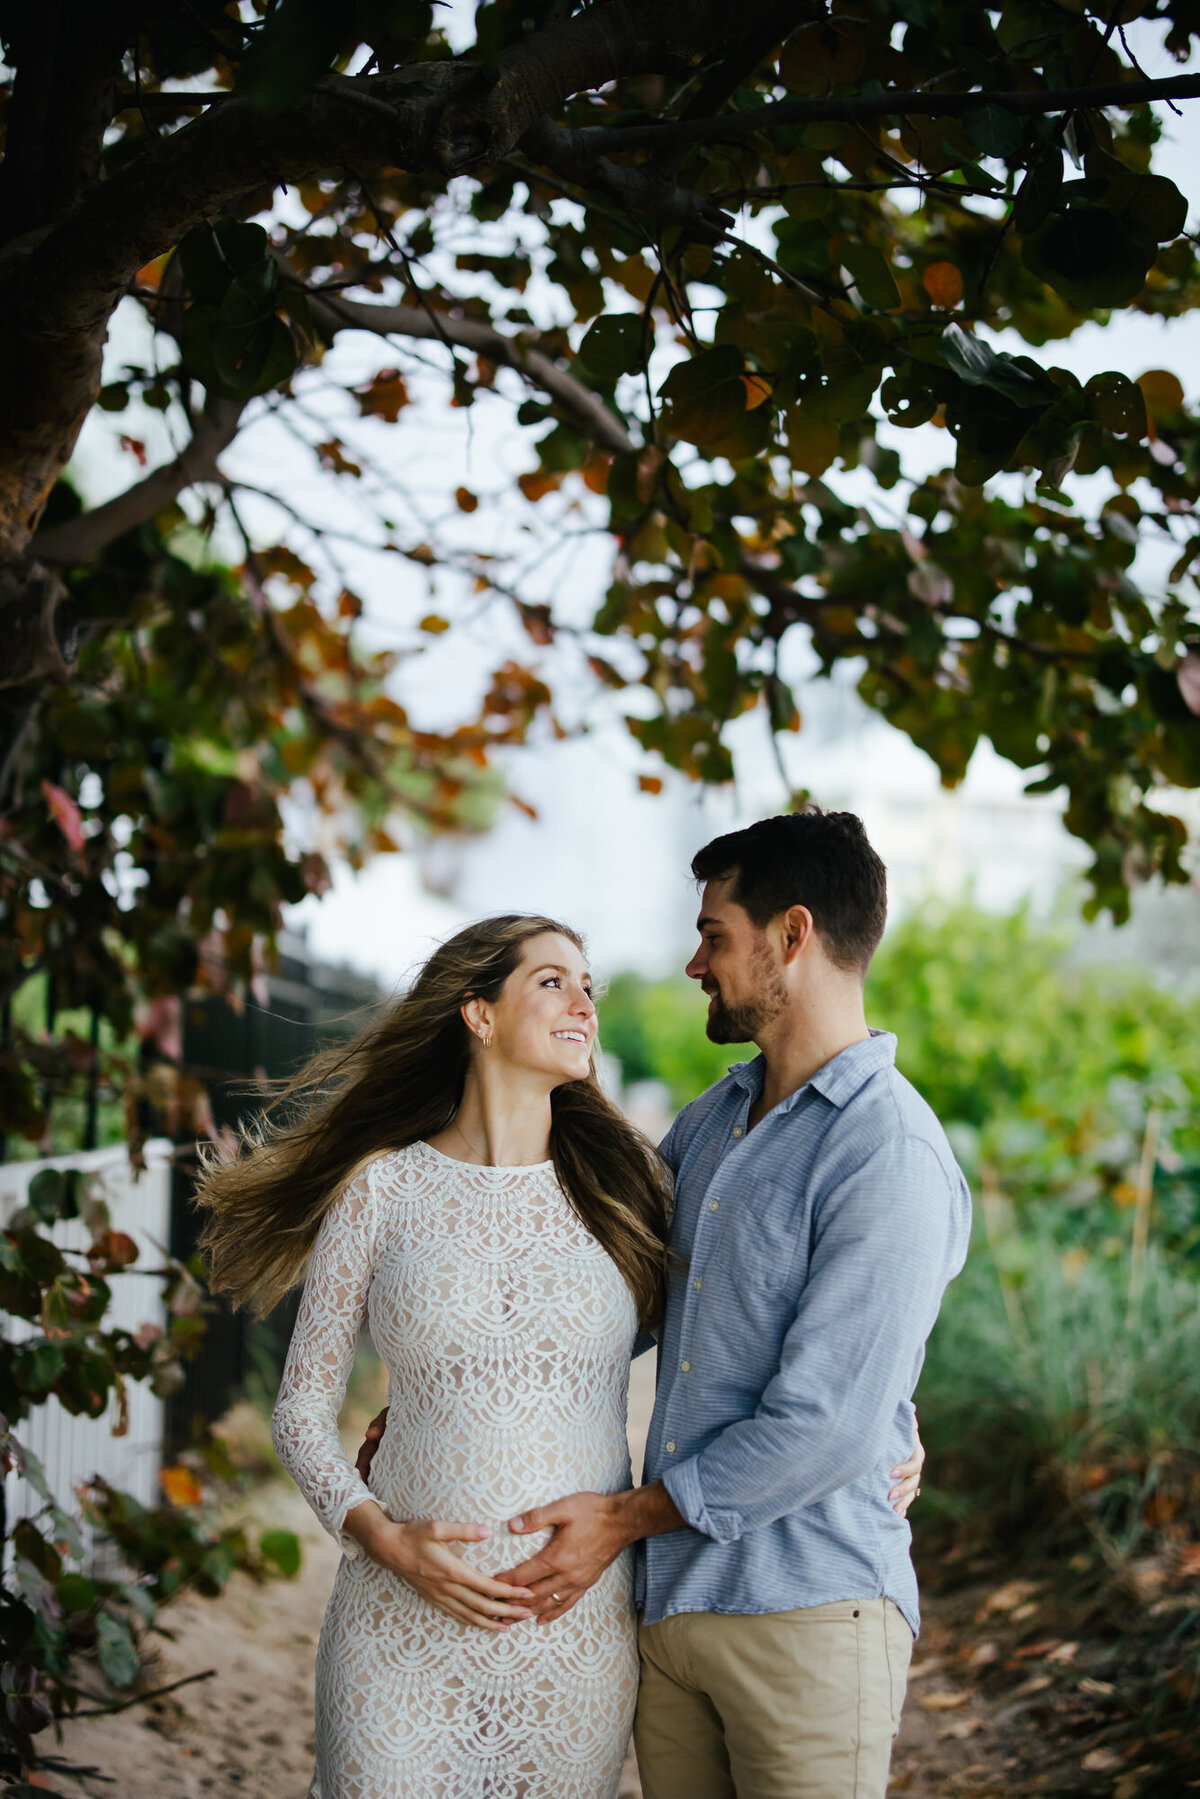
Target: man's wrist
646,1511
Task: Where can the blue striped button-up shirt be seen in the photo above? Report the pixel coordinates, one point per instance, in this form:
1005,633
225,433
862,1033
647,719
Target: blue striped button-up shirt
813,1254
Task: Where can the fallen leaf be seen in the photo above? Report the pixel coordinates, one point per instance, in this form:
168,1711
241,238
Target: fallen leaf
960,1728
943,1702
929,1665
1006,1598
1189,1560
1100,1761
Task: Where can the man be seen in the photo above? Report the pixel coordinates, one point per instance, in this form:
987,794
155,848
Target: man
819,1215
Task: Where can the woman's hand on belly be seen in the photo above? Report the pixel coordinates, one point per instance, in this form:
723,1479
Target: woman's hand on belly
422,1554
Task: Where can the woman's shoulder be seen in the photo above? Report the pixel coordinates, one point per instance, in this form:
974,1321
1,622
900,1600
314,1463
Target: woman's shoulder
400,1173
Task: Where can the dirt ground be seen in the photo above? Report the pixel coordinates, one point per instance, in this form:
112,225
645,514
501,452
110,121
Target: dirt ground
247,1728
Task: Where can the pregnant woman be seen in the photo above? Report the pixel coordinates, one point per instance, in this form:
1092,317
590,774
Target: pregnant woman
457,1183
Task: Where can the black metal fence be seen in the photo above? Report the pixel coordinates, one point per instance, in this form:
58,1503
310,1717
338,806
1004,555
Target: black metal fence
308,1005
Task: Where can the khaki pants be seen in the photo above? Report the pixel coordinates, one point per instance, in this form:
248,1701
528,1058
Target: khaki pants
781,1705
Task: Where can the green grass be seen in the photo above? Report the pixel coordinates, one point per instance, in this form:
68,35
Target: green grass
1050,1400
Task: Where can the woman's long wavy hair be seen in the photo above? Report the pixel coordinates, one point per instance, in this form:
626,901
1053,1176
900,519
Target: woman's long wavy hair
399,1081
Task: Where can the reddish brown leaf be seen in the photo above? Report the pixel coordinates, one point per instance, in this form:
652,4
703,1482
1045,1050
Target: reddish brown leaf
65,814
943,283
384,396
538,482
334,457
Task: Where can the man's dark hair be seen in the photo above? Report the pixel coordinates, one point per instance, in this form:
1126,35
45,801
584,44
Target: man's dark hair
817,859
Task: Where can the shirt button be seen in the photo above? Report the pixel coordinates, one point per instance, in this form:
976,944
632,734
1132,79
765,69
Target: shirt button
686,1366
697,1284
714,1205
737,1130
670,1449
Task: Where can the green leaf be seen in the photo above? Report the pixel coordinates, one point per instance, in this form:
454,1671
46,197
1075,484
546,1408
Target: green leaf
37,1590
706,395
252,350
282,1549
1040,191
987,428
910,396
994,130
812,442
213,256
32,1470
872,276
1118,404
76,1593
291,51
1088,255
1150,206
116,1650
36,1366
47,1194
613,346
1018,378
562,450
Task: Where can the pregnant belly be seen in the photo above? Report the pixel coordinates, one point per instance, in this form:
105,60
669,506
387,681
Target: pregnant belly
425,1475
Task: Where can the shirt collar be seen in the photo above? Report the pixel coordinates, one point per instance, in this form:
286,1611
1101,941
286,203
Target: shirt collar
840,1078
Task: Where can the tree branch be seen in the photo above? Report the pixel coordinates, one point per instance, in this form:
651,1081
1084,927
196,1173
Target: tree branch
642,189
590,142
451,116
586,408
79,539
58,286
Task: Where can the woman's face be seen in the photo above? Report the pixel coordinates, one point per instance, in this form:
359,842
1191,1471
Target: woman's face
544,1020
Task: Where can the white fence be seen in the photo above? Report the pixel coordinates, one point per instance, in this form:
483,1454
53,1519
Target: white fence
74,1449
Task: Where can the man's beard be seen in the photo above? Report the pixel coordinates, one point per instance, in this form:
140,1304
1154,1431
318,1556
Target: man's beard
742,1023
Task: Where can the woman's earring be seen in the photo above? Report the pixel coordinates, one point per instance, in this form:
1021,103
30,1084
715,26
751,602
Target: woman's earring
486,1039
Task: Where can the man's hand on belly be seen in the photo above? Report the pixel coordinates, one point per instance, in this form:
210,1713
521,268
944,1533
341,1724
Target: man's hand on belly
590,1531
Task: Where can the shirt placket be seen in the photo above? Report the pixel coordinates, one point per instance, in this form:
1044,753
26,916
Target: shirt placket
708,1223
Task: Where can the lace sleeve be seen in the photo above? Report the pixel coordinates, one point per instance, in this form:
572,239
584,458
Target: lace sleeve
304,1427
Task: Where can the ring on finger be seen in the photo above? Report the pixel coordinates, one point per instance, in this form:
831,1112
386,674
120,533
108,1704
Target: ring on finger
557,1598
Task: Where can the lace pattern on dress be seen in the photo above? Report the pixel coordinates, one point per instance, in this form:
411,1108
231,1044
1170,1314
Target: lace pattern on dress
506,1331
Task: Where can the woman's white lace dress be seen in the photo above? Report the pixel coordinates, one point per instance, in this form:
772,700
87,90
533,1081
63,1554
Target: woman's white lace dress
506,1331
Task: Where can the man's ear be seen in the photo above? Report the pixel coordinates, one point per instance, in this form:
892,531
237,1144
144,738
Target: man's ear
799,932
